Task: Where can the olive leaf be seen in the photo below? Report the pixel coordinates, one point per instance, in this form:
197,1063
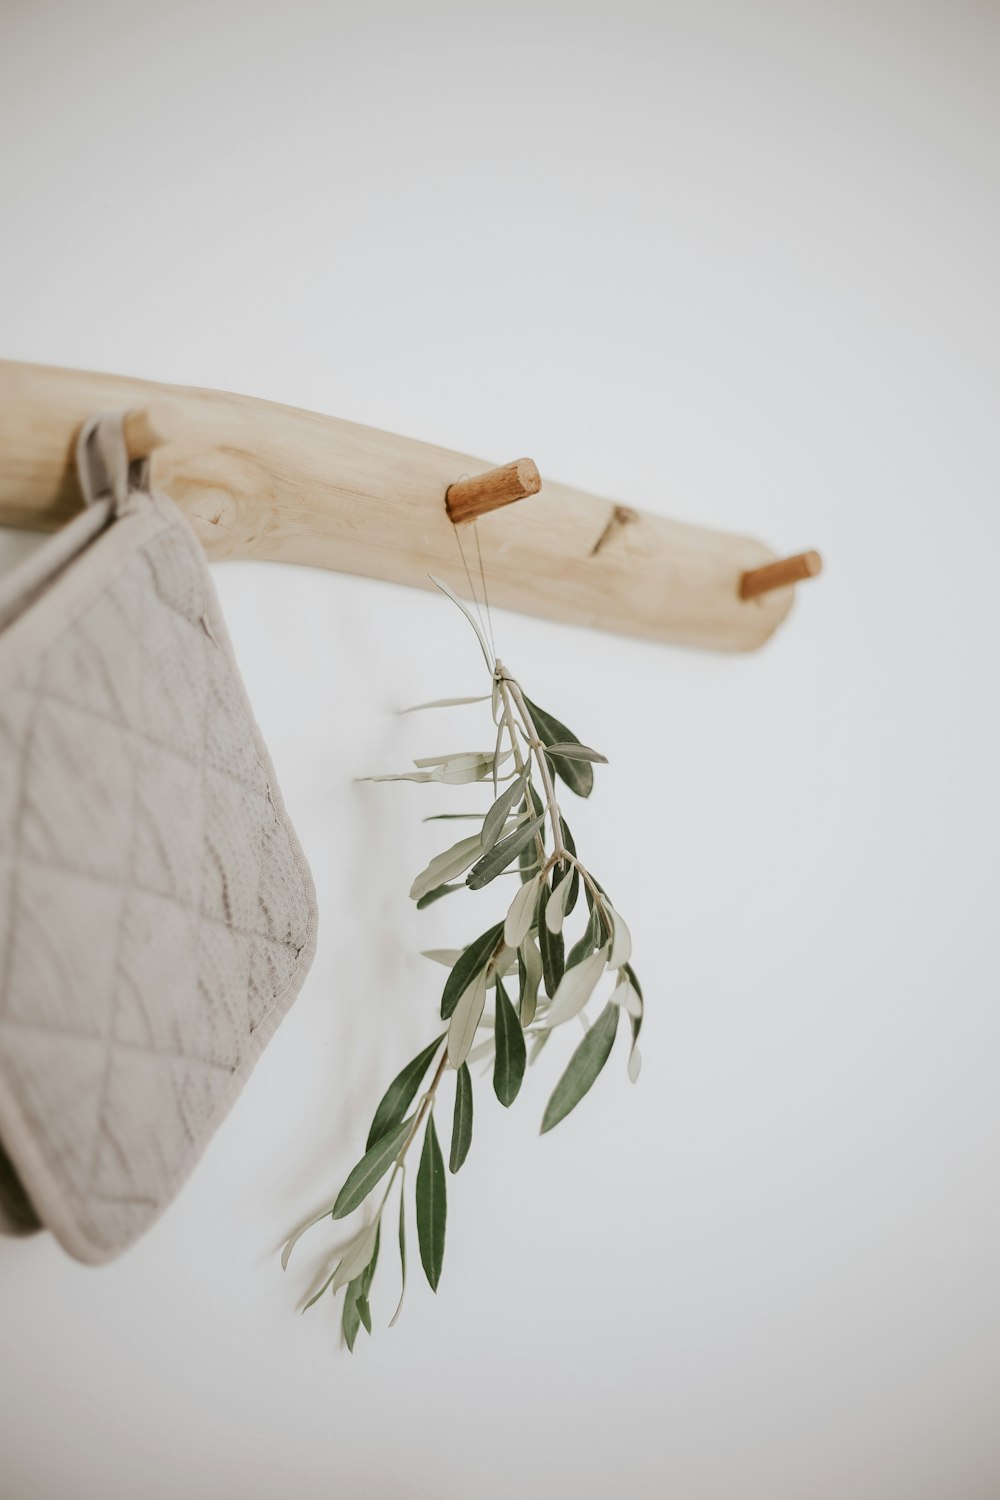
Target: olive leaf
415,708
443,867
431,1205
555,908
575,751
550,946
509,839
487,653
576,987
475,957
461,1128
529,972
508,1069
437,893
500,856
465,1019
400,1094
590,940
357,1255
583,1067
493,823
577,774
370,1170
621,942
402,1244
521,913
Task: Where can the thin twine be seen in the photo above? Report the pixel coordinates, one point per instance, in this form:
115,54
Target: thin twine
487,623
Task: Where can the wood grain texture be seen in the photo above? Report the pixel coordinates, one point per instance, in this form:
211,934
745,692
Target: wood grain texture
471,498
260,480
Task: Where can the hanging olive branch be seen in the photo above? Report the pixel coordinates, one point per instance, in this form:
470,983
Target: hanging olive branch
523,824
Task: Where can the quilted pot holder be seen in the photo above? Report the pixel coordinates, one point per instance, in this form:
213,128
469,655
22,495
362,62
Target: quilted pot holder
157,916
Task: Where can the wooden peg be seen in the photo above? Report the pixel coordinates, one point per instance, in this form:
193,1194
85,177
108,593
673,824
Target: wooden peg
144,429
470,498
778,575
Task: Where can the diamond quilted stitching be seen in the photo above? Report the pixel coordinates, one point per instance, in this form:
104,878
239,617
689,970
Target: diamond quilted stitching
77,792
167,855
62,958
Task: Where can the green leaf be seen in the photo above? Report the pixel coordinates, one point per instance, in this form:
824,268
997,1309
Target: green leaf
475,957
356,1298
529,972
461,1129
576,751
477,628
400,1094
370,1169
402,1244
444,703
351,1319
508,1069
528,858
583,1067
570,843
635,1056
465,1020
585,946
365,1312
438,892
500,856
431,1205
577,774
551,947
521,913
498,814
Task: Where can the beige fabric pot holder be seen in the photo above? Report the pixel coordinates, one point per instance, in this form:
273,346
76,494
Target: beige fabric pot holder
157,916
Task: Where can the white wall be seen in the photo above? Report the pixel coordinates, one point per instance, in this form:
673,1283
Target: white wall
732,262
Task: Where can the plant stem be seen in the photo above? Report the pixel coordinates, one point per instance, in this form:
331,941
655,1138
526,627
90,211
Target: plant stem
559,852
522,769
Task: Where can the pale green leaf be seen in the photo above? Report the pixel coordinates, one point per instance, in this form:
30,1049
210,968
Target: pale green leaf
521,913
576,987
444,867
475,957
356,1257
555,909
467,1015
445,703
621,941
476,627
625,996
402,1244
529,967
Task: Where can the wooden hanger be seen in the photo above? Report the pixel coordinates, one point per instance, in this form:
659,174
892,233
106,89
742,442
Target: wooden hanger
259,480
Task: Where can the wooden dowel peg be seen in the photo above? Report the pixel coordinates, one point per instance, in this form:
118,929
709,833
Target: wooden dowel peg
470,498
145,431
779,575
